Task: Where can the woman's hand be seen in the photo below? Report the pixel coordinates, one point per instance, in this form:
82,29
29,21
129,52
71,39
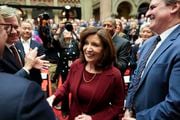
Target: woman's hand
128,115
83,117
129,118
50,100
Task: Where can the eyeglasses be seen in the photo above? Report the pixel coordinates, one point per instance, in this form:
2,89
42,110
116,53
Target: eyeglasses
7,27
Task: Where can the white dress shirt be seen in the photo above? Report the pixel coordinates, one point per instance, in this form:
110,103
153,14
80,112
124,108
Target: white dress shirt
26,45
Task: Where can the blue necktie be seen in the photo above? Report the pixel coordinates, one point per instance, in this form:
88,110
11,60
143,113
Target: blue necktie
140,68
142,64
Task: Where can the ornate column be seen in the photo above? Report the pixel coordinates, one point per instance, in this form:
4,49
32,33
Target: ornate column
28,11
86,9
28,2
105,9
55,12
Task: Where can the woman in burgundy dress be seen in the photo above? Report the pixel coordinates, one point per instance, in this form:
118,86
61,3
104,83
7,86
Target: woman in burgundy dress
95,84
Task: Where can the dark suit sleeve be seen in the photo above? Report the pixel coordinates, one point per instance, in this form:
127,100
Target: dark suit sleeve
5,67
41,50
22,73
123,55
33,105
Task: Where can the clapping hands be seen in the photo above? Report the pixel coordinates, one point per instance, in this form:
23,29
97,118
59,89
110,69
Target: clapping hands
34,61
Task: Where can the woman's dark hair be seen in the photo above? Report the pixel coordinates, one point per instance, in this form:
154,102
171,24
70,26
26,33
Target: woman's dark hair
108,53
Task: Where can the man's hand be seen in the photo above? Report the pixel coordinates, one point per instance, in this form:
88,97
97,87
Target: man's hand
41,64
30,59
51,99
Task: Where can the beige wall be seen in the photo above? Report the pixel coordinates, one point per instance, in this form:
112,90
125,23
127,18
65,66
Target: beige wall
86,9
107,7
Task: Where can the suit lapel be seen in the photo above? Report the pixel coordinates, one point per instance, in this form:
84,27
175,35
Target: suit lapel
32,44
77,77
8,58
20,49
163,47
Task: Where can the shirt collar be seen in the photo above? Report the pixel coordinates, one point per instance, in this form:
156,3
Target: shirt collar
166,33
25,41
9,45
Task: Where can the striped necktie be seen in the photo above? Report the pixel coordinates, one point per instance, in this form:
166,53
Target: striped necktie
139,70
145,59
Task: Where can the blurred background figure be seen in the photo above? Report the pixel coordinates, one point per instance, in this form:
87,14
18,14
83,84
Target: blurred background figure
133,30
119,29
122,45
35,32
26,43
68,49
44,29
52,54
144,34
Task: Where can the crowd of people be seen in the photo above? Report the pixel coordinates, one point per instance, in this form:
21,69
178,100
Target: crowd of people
91,59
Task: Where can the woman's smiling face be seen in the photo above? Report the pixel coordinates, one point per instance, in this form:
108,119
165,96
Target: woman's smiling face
92,48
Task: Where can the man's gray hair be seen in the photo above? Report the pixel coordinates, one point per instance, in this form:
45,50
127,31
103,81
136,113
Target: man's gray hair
7,11
110,19
171,1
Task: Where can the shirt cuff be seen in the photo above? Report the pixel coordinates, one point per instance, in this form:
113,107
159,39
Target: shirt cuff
26,70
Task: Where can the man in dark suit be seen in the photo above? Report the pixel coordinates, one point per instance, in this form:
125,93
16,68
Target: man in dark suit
155,94
30,60
122,45
20,99
26,43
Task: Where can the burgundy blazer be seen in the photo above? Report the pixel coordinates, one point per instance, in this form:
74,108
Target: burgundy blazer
108,98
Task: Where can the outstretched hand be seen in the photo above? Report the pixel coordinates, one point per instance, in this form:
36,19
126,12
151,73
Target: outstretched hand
41,64
50,100
83,117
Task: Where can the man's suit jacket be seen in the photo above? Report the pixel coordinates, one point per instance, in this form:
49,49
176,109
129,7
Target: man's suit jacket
107,100
8,64
122,47
157,96
33,44
21,99
34,73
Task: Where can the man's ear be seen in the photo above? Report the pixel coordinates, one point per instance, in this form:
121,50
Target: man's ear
175,8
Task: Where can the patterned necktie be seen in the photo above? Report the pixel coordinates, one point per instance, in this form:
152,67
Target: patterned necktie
146,56
16,55
137,76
